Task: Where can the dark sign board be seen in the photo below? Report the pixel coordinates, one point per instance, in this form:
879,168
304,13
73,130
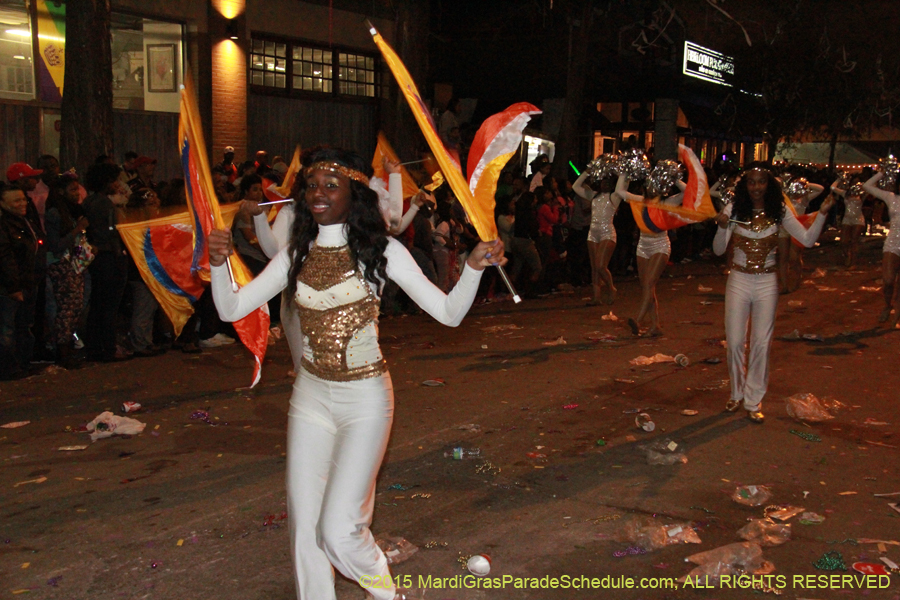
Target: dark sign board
707,64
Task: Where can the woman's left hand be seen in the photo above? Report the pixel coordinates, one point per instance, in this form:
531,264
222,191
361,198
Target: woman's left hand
487,254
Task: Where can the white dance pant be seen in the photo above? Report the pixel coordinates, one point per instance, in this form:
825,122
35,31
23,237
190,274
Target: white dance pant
337,436
753,299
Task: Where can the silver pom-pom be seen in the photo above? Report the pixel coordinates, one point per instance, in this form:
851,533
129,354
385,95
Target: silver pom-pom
855,190
728,196
605,165
889,167
796,188
663,177
634,165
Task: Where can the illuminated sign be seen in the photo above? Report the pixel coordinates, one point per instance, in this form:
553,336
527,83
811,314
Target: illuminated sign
707,64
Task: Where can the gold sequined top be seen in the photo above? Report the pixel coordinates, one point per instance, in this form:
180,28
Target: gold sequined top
756,250
330,330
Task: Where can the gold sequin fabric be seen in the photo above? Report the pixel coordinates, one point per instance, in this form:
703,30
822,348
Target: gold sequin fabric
330,331
756,250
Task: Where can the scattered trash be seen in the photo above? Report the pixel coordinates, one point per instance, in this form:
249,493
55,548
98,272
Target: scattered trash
795,303
15,424
479,565
623,380
813,337
809,437
891,564
869,289
71,448
811,518
487,468
722,384
765,532
498,328
560,341
601,442
682,360
273,519
644,422
38,480
703,288
664,452
732,559
714,360
107,424
630,551
652,534
434,382
688,412
873,422
818,273
473,427
435,544
806,407
599,336
641,361
460,453
570,406
831,561
870,568
783,513
396,549
609,317
130,407
751,495
203,415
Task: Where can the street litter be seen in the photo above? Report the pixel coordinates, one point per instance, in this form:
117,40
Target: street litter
652,534
71,448
107,424
479,565
623,380
15,424
811,518
434,382
806,407
203,415
599,336
498,328
732,559
824,288
641,361
689,412
38,480
396,549
783,513
813,337
460,453
664,452
795,303
809,437
470,427
609,317
765,532
703,288
831,561
869,289
130,407
644,422
818,273
751,495
722,384
682,360
871,421
560,341
867,568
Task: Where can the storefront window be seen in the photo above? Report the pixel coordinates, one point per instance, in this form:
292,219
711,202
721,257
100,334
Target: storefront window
296,67
146,63
16,65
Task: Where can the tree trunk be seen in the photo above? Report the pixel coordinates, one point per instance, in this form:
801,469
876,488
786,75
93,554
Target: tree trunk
832,143
87,117
568,147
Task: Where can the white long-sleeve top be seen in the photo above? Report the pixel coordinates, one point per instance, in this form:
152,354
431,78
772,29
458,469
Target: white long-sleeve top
807,237
892,241
448,309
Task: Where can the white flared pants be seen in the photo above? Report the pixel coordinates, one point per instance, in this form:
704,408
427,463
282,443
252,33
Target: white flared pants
753,300
337,436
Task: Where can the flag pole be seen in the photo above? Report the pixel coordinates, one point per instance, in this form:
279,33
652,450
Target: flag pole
271,202
234,285
509,285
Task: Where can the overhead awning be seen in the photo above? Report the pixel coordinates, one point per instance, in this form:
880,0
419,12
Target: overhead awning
817,153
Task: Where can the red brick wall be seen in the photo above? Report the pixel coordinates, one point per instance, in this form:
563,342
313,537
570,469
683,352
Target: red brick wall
229,99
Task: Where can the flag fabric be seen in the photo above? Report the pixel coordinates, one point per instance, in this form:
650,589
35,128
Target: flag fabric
496,141
696,205
162,249
481,219
206,216
384,150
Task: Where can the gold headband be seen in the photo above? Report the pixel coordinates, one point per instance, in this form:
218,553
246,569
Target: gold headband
337,168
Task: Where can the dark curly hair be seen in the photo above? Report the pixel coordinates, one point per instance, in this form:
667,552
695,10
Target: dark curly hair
367,233
774,198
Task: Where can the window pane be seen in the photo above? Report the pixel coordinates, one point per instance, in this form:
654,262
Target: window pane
370,91
257,78
370,76
326,71
280,50
326,56
256,61
370,63
297,53
307,68
317,55
258,46
270,48
280,81
269,80
307,83
342,73
307,54
342,59
351,74
317,84
298,82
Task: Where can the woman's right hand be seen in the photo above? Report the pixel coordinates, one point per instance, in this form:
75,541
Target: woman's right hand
722,220
220,246
251,208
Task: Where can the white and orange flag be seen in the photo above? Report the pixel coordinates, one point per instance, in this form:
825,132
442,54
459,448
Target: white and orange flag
480,209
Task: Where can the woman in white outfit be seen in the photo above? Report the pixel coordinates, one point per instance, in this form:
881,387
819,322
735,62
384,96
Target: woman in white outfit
790,257
890,262
277,236
853,222
752,222
601,239
653,251
341,408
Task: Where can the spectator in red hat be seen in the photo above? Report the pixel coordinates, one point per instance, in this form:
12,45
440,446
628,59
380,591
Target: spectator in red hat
145,167
25,177
227,165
